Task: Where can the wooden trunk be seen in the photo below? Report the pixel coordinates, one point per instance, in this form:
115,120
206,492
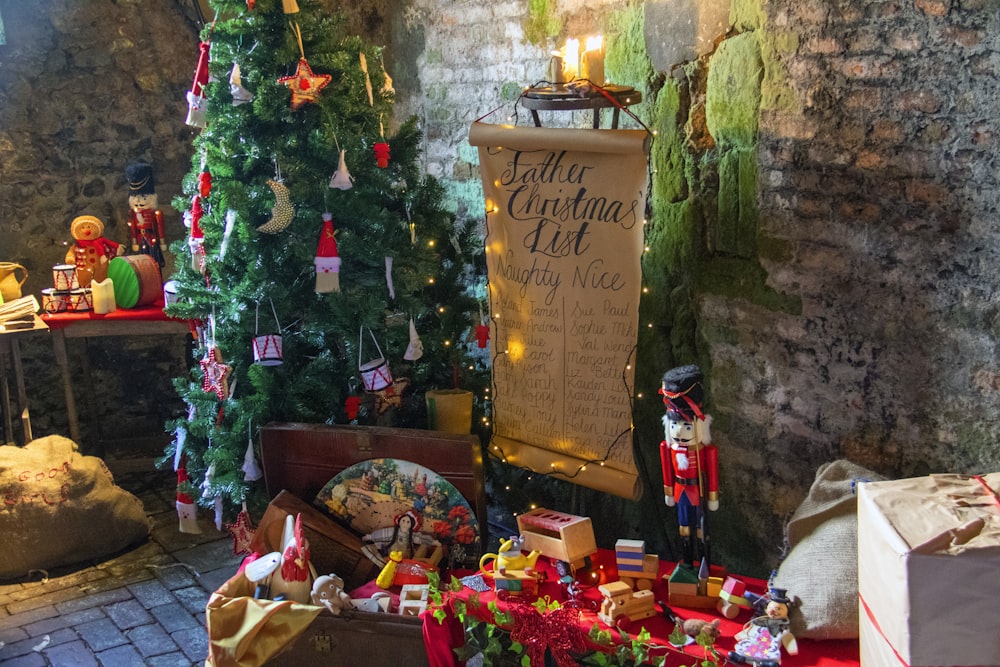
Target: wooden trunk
298,461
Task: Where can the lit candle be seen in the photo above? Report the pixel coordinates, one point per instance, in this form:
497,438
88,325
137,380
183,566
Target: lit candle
571,58
592,61
103,293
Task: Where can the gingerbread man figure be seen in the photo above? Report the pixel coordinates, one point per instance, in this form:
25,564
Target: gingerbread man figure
90,252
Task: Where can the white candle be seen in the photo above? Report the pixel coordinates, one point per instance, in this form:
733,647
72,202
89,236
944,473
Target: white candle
556,68
592,61
103,293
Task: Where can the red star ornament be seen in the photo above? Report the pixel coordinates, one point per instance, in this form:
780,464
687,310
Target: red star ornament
216,374
242,532
304,84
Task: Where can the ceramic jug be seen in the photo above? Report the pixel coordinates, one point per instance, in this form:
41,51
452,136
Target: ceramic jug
10,286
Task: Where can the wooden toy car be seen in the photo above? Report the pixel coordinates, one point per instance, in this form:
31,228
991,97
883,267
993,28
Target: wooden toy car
621,605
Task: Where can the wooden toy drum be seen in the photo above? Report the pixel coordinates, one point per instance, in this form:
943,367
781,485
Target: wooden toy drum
55,301
267,350
81,299
64,277
137,280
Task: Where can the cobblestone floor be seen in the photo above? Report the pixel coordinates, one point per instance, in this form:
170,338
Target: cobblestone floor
142,607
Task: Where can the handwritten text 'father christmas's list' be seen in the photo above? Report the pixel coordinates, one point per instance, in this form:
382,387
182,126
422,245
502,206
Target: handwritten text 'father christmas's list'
564,239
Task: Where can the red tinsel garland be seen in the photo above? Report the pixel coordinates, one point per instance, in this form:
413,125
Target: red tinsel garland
558,631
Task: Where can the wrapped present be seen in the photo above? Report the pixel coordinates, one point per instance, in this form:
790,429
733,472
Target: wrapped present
928,564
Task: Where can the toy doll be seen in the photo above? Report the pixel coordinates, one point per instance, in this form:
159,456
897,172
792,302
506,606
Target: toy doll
688,459
145,220
760,641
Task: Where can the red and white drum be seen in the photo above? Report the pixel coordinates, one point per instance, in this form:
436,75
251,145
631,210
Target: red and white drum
267,350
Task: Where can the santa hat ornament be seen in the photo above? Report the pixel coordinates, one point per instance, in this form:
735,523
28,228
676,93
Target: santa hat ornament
196,96
186,510
196,237
327,259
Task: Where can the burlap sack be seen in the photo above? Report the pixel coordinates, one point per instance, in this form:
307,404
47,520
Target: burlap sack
61,508
821,568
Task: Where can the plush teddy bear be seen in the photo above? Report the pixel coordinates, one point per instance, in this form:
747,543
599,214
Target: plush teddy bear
90,252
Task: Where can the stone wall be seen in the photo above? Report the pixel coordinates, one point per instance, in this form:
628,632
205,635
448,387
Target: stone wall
823,229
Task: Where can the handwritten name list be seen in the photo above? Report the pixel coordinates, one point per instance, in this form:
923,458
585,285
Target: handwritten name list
564,243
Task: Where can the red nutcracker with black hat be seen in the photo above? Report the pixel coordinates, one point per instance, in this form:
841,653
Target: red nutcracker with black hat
689,461
145,220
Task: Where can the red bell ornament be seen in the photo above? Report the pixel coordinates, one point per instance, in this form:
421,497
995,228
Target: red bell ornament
381,154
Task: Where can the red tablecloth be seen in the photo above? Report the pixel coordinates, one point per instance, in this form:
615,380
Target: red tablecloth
441,638
153,312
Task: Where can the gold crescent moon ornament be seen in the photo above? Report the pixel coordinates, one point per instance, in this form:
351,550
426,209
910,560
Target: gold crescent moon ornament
282,211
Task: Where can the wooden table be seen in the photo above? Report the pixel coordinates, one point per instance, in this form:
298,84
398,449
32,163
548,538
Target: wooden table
10,336
564,97
143,321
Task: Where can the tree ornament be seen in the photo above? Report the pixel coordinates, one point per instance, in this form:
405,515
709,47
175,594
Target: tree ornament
387,88
304,84
368,79
267,348
242,531
251,469
381,154
197,102
180,437
482,330
289,6
208,494
352,406
415,349
196,237
391,396
327,259
388,278
240,94
187,513
251,4
227,232
216,373
282,211
342,179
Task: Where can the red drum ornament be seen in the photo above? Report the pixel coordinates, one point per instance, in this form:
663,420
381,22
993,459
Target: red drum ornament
267,348
375,375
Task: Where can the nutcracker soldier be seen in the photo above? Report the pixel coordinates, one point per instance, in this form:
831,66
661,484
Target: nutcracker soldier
688,459
145,220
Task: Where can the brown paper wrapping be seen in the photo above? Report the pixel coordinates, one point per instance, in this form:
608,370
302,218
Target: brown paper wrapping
564,240
929,571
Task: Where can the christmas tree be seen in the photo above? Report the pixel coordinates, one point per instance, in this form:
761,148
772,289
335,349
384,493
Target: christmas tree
328,282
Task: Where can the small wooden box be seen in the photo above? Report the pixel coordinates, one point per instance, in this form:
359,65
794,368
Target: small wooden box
557,535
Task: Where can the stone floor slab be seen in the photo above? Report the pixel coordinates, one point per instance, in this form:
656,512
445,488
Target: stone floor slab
71,654
120,656
101,634
128,614
151,640
152,593
174,617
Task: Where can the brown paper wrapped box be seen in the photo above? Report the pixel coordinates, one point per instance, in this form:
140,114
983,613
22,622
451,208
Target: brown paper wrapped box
929,571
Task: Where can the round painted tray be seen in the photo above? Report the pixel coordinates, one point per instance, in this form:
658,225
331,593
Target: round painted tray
401,505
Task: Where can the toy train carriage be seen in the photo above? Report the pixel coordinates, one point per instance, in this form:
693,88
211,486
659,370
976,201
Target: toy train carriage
557,535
